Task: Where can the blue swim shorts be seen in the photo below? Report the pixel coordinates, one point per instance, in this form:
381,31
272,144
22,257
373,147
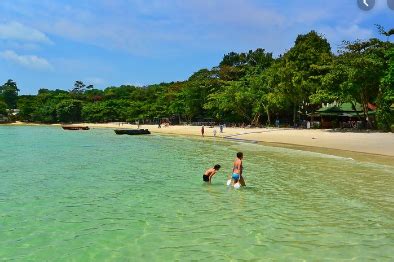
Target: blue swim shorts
235,177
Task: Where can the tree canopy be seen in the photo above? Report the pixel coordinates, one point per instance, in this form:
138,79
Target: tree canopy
9,93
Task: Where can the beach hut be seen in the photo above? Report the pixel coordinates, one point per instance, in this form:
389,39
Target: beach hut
344,115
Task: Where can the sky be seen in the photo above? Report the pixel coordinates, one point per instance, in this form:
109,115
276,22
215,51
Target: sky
51,44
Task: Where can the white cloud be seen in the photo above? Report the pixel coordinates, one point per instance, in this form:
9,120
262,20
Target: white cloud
139,26
28,61
349,33
153,27
19,32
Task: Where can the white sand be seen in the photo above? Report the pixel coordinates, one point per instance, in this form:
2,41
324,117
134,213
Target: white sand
372,143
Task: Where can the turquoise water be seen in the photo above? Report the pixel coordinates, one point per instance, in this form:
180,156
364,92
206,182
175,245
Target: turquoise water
95,196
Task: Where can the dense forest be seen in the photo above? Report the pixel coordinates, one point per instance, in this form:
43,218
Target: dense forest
252,88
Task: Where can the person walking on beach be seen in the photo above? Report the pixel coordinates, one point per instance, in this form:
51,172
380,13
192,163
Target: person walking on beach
214,132
202,130
237,170
221,128
207,177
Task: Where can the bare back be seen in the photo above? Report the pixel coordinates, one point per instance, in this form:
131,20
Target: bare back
210,172
237,169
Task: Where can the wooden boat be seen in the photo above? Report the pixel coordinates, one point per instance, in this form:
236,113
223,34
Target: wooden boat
70,127
132,131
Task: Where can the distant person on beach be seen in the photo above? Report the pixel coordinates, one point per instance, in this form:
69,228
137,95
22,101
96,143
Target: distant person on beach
202,130
214,132
207,177
159,126
237,168
221,128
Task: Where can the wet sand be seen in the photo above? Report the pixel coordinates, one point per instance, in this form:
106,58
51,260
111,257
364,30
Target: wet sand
366,142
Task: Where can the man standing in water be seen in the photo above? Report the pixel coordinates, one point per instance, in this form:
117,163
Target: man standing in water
237,170
207,177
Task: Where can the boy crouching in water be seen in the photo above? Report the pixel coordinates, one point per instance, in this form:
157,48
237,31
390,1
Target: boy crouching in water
207,177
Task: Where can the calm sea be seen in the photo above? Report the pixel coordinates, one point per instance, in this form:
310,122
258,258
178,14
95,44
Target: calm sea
95,196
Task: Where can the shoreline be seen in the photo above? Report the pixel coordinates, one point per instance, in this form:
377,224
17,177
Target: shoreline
372,146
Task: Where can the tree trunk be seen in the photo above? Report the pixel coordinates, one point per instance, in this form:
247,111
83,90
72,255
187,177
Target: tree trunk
365,111
256,119
268,115
355,109
294,114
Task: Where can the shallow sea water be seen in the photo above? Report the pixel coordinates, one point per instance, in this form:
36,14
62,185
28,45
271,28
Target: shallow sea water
95,196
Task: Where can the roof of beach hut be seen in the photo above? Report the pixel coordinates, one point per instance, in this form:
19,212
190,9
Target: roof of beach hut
345,109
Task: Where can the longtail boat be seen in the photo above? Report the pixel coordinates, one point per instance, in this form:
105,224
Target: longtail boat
132,131
72,127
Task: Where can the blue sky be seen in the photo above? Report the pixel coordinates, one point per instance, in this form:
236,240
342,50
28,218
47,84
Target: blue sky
50,44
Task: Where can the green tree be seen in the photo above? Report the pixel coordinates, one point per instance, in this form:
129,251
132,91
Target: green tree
45,113
234,102
94,95
298,74
234,59
259,60
93,112
383,31
26,105
69,110
3,108
385,99
358,71
196,91
9,93
268,98
80,88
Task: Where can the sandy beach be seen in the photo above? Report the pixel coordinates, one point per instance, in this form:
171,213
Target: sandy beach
362,142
